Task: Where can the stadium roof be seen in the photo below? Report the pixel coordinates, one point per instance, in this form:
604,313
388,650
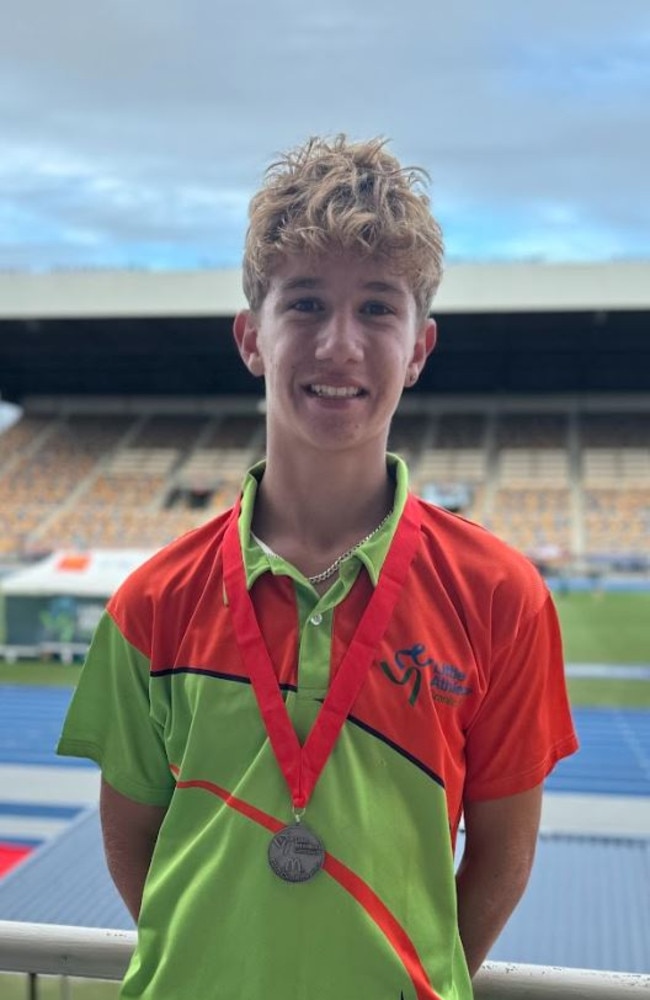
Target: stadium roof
466,288
587,904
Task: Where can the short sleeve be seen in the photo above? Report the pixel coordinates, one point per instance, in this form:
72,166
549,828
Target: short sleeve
523,726
110,720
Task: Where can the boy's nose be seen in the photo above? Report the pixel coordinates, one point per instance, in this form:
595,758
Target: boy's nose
340,340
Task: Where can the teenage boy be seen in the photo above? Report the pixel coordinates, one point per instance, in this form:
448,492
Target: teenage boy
293,705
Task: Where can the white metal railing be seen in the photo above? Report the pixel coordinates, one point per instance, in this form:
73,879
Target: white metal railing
50,949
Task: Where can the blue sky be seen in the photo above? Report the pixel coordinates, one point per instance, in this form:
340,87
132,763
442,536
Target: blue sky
133,134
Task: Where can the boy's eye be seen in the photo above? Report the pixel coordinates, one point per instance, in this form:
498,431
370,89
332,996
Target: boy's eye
376,309
306,305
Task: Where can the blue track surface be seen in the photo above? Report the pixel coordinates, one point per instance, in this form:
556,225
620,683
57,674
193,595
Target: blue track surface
614,757
30,724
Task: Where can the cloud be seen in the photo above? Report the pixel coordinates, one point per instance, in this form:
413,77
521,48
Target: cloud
136,133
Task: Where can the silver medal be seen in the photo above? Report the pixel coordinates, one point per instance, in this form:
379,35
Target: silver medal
296,854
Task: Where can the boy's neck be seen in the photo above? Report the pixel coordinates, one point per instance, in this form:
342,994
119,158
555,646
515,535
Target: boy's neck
325,502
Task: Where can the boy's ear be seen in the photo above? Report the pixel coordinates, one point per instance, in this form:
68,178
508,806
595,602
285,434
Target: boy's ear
244,330
425,343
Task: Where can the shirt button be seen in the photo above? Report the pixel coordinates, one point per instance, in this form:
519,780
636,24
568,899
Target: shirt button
316,619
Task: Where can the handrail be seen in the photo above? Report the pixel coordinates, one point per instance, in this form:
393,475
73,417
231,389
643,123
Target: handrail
51,949
57,950
506,981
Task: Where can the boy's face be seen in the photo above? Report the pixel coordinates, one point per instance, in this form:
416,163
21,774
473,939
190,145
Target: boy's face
336,339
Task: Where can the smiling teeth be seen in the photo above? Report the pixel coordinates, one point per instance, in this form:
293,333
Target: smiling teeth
335,390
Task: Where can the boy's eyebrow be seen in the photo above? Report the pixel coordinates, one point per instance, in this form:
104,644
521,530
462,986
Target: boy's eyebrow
300,282
384,286
310,282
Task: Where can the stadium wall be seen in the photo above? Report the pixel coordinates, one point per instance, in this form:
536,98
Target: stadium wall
466,288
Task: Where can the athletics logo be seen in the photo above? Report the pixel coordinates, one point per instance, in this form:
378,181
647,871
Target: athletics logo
412,665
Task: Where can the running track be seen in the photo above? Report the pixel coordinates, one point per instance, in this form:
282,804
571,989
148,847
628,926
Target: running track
41,793
614,758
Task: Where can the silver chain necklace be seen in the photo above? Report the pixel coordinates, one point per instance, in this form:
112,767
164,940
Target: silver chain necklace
331,570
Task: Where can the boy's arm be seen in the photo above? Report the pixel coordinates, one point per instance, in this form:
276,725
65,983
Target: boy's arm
500,840
130,830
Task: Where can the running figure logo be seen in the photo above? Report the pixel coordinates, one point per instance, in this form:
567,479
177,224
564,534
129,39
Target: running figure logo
412,666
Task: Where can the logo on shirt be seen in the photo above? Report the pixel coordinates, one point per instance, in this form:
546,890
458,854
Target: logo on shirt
413,669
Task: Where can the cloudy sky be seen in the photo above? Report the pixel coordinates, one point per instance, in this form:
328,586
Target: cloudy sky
133,132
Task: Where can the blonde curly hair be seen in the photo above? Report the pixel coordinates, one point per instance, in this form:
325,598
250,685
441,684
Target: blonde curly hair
334,196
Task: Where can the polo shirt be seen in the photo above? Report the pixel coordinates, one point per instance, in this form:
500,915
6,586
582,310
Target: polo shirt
465,699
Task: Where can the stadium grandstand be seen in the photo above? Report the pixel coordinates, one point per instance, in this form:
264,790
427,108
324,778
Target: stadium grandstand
134,420
138,419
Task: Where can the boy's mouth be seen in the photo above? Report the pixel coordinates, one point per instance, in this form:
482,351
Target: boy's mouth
325,391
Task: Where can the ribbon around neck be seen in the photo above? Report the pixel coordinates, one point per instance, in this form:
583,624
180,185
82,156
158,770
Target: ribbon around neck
301,766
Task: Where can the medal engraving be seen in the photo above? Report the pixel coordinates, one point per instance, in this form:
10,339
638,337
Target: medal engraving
296,854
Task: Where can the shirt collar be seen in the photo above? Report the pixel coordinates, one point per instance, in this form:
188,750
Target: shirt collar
371,554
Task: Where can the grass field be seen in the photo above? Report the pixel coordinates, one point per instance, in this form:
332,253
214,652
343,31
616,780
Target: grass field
14,987
39,672
594,692
597,628
605,628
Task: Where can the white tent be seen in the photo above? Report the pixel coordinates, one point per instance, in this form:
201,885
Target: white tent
53,607
97,573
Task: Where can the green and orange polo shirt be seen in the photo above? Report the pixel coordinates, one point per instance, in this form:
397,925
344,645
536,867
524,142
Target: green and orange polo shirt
465,700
